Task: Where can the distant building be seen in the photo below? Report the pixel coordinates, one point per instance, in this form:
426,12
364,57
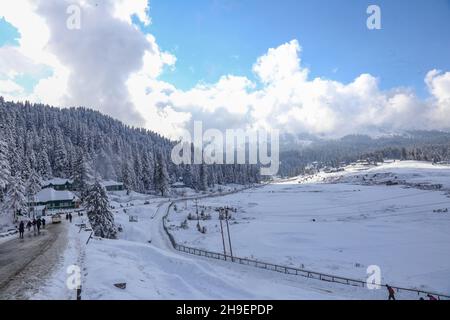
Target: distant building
178,185
363,162
38,211
58,184
56,199
111,185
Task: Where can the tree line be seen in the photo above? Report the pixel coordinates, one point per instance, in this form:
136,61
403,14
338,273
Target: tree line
39,142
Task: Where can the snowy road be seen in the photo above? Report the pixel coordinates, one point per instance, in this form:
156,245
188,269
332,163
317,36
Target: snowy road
26,263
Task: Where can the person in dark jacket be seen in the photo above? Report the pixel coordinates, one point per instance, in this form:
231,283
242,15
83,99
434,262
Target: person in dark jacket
34,226
21,229
391,292
29,225
70,217
43,223
38,226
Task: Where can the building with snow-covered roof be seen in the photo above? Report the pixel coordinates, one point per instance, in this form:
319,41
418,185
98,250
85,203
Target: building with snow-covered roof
58,184
38,211
178,185
56,199
111,185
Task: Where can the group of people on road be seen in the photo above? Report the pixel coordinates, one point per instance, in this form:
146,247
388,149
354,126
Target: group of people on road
36,224
69,217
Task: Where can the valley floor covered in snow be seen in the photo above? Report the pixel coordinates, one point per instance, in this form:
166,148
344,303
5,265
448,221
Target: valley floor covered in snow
340,224
337,223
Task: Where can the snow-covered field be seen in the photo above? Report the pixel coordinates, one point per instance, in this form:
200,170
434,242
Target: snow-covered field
333,223
340,223
154,271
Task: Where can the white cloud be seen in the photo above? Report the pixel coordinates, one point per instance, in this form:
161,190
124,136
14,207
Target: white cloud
280,64
9,87
112,66
125,9
439,86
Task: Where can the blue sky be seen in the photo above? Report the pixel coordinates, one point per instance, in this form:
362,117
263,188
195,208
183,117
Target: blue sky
211,38
9,35
366,81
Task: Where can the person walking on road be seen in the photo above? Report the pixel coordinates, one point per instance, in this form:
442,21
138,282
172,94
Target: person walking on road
21,229
38,226
70,217
391,292
43,222
34,226
29,225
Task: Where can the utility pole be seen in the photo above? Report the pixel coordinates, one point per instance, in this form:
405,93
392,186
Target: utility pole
229,237
221,230
198,218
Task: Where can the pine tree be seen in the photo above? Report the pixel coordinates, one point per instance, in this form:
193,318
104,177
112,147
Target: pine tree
127,176
60,158
33,186
203,183
5,169
15,202
147,172
187,176
43,167
80,173
161,176
99,214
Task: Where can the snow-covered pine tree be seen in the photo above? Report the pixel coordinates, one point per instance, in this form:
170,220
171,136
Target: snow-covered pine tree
161,176
127,176
33,184
60,158
15,202
187,175
203,183
32,187
43,166
98,212
147,171
5,169
80,173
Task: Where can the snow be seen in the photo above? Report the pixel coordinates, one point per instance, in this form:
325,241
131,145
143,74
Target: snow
56,182
50,194
111,183
7,236
155,271
355,225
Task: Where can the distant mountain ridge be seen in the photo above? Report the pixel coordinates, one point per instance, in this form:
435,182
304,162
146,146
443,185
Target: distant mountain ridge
413,145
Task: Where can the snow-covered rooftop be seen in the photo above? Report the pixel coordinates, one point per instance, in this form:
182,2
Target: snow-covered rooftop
50,194
178,184
111,183
56,182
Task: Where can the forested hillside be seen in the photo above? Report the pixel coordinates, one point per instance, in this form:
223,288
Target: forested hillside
82,144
